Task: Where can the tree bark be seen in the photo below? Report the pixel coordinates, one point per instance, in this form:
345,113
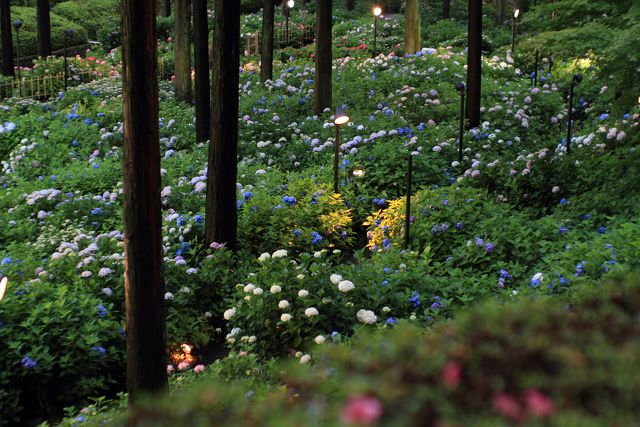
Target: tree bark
412,26
144,286
446,9
201,55
182,50
474,65
221,211
44,27
7,38
500,11
266,42
322,85
351,4
166,8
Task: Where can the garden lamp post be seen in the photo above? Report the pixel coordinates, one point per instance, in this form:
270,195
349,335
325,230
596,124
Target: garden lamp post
377,11
407,213
68,33
536,68
17,24
516,13
339,119
577,78
3,286
460,89
287,12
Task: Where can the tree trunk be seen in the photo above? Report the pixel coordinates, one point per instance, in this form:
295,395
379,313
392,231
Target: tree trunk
500,11
221,210
412,26
201,55
44,27
351,4
182,50
324,57
144,286
266,42
446,9
166,8
474,66
7,38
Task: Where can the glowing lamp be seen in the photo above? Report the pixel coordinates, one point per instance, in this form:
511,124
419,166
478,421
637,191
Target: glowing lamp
516,13
341,117
290,4
358,173
377,11
3,286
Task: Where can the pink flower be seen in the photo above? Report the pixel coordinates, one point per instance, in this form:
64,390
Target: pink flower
198,369
451,374
361,410
538,403
170,369
183,365
507,406
216,245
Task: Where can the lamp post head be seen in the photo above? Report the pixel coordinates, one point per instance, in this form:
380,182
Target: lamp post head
460,87
516,13
358,173
68,33
377,10
3,286
290,4
340,117
17,24
577,78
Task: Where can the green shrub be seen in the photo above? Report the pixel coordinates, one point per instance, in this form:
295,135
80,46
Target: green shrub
90,14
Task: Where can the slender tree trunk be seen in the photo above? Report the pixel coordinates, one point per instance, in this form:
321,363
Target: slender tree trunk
500,11
7,38
166,8
44,27
182,50
144,286
446,9
412,26
201,54
351,4
221,210
266,42
474,65
322,86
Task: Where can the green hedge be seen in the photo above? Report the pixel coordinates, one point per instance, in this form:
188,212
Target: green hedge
28,32
89,14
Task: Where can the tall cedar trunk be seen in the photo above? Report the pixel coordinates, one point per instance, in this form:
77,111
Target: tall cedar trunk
166,8
412,26
446,9
182,50
266,43
144,286
44,27
322,85
474,66
351,4
201,55
221,210
500,11
7,39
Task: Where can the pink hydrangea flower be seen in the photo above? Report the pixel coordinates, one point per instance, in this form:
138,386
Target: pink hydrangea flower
198,369
361,410
183,365
170,369
451,374
508,406
538,403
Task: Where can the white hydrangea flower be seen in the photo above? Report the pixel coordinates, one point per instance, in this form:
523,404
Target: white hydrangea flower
302,293
264,257
275,289
346,286
366,316
386,309
300,277
305,359
229,314
281,253
311,312
168,296
285,317
335,279
283,304
249,288
319,339
258,291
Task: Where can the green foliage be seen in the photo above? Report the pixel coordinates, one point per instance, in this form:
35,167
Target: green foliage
90,14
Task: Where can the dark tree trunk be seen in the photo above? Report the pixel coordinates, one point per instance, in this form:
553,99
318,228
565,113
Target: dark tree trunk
182,50
7,38
446,9
412,26
324,57
44,27
266,43
221,210
166,8
144,286
500,11
351,4
201,55
474,66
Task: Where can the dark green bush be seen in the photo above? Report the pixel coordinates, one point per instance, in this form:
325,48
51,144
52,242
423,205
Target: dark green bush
89,14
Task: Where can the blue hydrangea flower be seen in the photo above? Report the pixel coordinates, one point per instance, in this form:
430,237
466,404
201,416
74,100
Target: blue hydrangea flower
415,299
101,310
28,362
289,200
489,247
536,279
316,238
247,195
563,230
602,230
